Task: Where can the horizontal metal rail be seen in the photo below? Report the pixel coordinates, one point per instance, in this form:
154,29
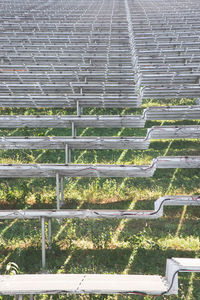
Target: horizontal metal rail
173,78
45,214
70,100
159,49
156,132
98,54
111,121
103,213
34,284
91,170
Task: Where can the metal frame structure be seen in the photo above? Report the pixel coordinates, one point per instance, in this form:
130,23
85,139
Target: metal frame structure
59,171
48,214
102,54
66,143
101,121
118,52
101,170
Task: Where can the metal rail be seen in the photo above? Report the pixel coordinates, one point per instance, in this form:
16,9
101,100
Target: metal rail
100,54
112,48
49,214
104,121
156,132
99,283
93,170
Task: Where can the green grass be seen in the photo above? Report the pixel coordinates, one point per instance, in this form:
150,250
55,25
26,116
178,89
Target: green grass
103,246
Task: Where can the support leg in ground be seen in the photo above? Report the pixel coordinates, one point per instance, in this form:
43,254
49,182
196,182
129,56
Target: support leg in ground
78,108
61,191
73,130
58,191
66,154
43,243
49,233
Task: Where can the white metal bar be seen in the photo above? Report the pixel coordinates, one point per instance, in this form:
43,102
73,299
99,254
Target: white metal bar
88,170
73,129
50,232
66,154
100,283
58,190
61,191
155,132
78,109
43,243
111,121
102,213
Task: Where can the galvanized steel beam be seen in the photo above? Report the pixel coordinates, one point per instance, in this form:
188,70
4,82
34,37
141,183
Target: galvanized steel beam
67,143
86,170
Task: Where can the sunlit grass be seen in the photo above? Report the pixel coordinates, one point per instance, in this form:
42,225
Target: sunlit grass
188,243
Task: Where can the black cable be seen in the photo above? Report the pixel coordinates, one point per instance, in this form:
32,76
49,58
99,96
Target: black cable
172,281
165,292
155,212
159,208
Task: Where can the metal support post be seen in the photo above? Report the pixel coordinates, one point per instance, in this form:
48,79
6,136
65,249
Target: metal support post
73,135
43,243
73,130
66,154
62,191
67,151
49,233
78,108
58,191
